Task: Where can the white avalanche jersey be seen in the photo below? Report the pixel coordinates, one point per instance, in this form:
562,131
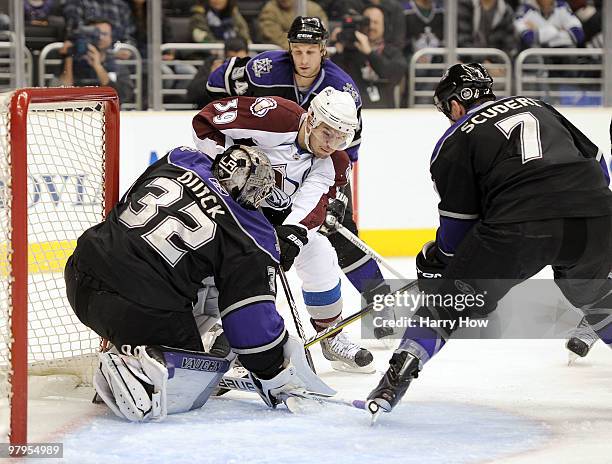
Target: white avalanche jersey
304,184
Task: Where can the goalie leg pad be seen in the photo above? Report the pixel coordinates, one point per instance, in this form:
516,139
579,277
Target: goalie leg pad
126,389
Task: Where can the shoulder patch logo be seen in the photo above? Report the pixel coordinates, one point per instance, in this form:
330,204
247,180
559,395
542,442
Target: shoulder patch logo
348,87
262,105
262,66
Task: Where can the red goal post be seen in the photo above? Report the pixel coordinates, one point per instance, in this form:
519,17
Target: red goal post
59,172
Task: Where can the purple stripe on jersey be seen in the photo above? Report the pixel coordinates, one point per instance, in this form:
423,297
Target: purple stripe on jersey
604,168
353,153
217,77
450,131
365,276
451,233
253,325
578,35
254,223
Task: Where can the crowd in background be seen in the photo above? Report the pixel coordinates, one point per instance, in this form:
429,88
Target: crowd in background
374,39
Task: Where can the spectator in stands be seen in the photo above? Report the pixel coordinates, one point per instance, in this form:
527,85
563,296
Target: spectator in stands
548,23
424,29
118,12
486,24
375,66
217,21
276,17
337,9
395,26
196,91
139,13
36,12
591,18
93,63
424,25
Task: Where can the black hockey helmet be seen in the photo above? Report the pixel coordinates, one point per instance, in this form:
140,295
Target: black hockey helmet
307,29
466,83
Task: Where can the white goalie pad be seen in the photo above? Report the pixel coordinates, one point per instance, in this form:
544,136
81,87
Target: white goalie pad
156,381
296,376
127,390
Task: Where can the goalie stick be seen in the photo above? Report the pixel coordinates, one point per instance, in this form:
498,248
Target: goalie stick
246,385
333,329
351,237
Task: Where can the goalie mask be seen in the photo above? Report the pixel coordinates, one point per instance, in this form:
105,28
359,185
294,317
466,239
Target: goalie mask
465,83
246,173
337,110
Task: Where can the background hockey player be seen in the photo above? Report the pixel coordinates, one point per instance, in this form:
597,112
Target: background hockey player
305,149
299,75
520,188
135,280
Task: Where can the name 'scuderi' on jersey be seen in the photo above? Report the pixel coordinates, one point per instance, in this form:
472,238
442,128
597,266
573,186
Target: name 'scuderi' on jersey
493,110
202,192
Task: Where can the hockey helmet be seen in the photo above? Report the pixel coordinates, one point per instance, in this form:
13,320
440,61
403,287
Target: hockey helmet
307,29
337,109
466,83
246,174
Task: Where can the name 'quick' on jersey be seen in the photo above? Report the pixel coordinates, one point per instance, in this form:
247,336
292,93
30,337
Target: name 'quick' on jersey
518,159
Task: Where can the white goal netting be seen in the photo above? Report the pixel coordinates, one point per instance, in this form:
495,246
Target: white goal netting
65,195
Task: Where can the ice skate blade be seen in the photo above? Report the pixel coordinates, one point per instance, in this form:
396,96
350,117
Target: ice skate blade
374,410
571,358
343,367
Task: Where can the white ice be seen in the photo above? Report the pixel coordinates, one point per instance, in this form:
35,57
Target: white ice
509,401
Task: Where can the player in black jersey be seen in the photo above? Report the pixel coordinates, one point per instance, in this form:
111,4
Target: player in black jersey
147,277
299,75
520,188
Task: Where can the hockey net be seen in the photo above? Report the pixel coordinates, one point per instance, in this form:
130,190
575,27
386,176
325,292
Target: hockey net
58,177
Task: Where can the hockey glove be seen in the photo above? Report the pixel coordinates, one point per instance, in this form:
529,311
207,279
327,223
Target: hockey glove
291,239
335,214
429,267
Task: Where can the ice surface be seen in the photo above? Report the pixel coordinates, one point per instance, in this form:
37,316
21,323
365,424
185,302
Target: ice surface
510,401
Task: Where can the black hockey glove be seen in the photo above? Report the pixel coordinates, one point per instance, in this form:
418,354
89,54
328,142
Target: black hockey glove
335,214
291,239
429,267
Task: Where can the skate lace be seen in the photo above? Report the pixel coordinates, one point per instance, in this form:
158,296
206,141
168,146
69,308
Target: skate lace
585,333
342,346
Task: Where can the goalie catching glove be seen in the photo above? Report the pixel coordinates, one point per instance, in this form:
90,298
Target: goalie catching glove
291,240
295,377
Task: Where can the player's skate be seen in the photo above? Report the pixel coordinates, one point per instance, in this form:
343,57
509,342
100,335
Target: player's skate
347,356
581,341
403,368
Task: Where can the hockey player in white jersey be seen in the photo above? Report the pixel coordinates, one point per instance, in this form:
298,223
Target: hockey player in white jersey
306,152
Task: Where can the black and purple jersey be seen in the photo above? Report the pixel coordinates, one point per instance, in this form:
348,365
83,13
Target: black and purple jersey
177,226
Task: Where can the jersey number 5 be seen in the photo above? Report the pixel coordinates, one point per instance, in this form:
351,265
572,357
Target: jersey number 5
531,145
159,237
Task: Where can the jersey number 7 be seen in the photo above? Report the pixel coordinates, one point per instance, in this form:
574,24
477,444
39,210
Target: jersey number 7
531,144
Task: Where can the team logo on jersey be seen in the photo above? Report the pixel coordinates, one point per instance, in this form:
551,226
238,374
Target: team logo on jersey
262,66
240,87
348,87
262,105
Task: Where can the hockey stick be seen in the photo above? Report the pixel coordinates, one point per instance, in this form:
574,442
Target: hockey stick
367,250
246,385
295,315
333,329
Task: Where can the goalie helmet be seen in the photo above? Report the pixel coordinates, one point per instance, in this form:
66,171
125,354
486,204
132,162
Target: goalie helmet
466,83
336,109
246,173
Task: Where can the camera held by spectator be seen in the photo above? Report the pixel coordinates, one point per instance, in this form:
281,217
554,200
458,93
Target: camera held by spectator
85,36
352,23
